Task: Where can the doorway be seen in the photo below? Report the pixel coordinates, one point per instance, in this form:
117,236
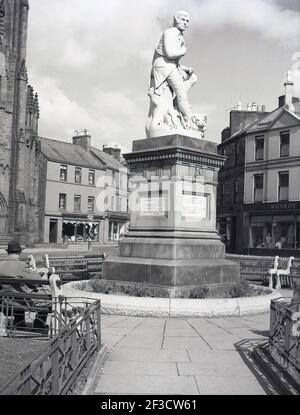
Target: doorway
53,230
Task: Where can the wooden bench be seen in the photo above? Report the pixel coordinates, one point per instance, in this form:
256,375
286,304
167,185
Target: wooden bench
15,302
255,269
81,267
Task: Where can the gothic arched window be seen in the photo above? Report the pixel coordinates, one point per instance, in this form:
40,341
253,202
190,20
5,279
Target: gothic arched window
2,17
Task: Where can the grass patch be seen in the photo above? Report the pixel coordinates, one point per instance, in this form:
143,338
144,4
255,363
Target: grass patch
16,353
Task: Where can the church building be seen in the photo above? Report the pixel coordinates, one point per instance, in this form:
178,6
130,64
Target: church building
19,144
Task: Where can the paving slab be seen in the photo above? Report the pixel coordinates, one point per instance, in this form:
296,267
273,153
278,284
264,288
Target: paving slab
154,322
185,343
141,368
213,368
119,331
221,341
185,331
129,322
144,342
227,323
179,356
218,356
149,330
173,323
148,355
158,385
219,385
245,333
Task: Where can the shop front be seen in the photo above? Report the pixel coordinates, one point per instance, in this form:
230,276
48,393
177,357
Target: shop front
81,228
274,225
117,225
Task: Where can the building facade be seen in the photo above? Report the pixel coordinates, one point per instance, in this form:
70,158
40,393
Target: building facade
272,187
264,162
19,145
230,200
85,192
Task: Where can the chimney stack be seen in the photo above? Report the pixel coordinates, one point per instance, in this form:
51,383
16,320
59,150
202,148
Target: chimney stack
248,107
289,91
239,106
82,139
112,151
254,107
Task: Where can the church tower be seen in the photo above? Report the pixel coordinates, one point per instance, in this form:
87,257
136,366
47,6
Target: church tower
19,114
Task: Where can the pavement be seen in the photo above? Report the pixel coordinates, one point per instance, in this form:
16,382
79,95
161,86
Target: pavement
192,356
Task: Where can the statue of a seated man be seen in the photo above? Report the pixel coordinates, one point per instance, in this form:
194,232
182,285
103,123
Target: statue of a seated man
170,83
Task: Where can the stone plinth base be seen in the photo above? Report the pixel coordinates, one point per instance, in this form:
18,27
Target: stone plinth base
171,248
172,273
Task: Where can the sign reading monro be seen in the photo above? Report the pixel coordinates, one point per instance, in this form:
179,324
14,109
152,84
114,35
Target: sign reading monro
271,206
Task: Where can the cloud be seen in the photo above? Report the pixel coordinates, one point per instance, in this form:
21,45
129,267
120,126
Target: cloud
263,16
90,61
296,73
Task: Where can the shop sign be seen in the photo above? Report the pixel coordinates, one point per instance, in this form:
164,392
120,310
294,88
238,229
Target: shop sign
277,206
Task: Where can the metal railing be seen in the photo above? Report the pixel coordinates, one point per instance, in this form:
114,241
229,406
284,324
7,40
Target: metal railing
56,368
284,337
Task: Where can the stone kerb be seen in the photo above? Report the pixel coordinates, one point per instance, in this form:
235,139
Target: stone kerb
176,307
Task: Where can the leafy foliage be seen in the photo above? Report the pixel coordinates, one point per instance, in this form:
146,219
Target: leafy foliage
110,287
242,289
199,292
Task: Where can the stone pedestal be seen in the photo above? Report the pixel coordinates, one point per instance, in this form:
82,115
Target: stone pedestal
172,240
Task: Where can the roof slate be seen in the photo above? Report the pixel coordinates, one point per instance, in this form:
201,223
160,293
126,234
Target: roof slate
107,159
63,152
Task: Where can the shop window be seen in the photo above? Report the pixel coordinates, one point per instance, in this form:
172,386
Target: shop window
92,177
285,235
91,204
62,203
258,187
284,144
114,229
283,186
259,148
78,173
80,231
63,173
235,191
77,203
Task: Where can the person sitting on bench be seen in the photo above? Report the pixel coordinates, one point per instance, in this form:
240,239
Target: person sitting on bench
12,267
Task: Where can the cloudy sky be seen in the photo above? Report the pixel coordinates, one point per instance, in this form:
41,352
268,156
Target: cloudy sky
90,60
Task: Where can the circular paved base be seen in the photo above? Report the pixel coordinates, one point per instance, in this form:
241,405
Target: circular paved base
176,307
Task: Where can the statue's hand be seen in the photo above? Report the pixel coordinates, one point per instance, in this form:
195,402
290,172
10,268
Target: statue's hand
190,71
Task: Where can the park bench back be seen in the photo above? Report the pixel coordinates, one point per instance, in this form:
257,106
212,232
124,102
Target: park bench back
255,268
75,267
